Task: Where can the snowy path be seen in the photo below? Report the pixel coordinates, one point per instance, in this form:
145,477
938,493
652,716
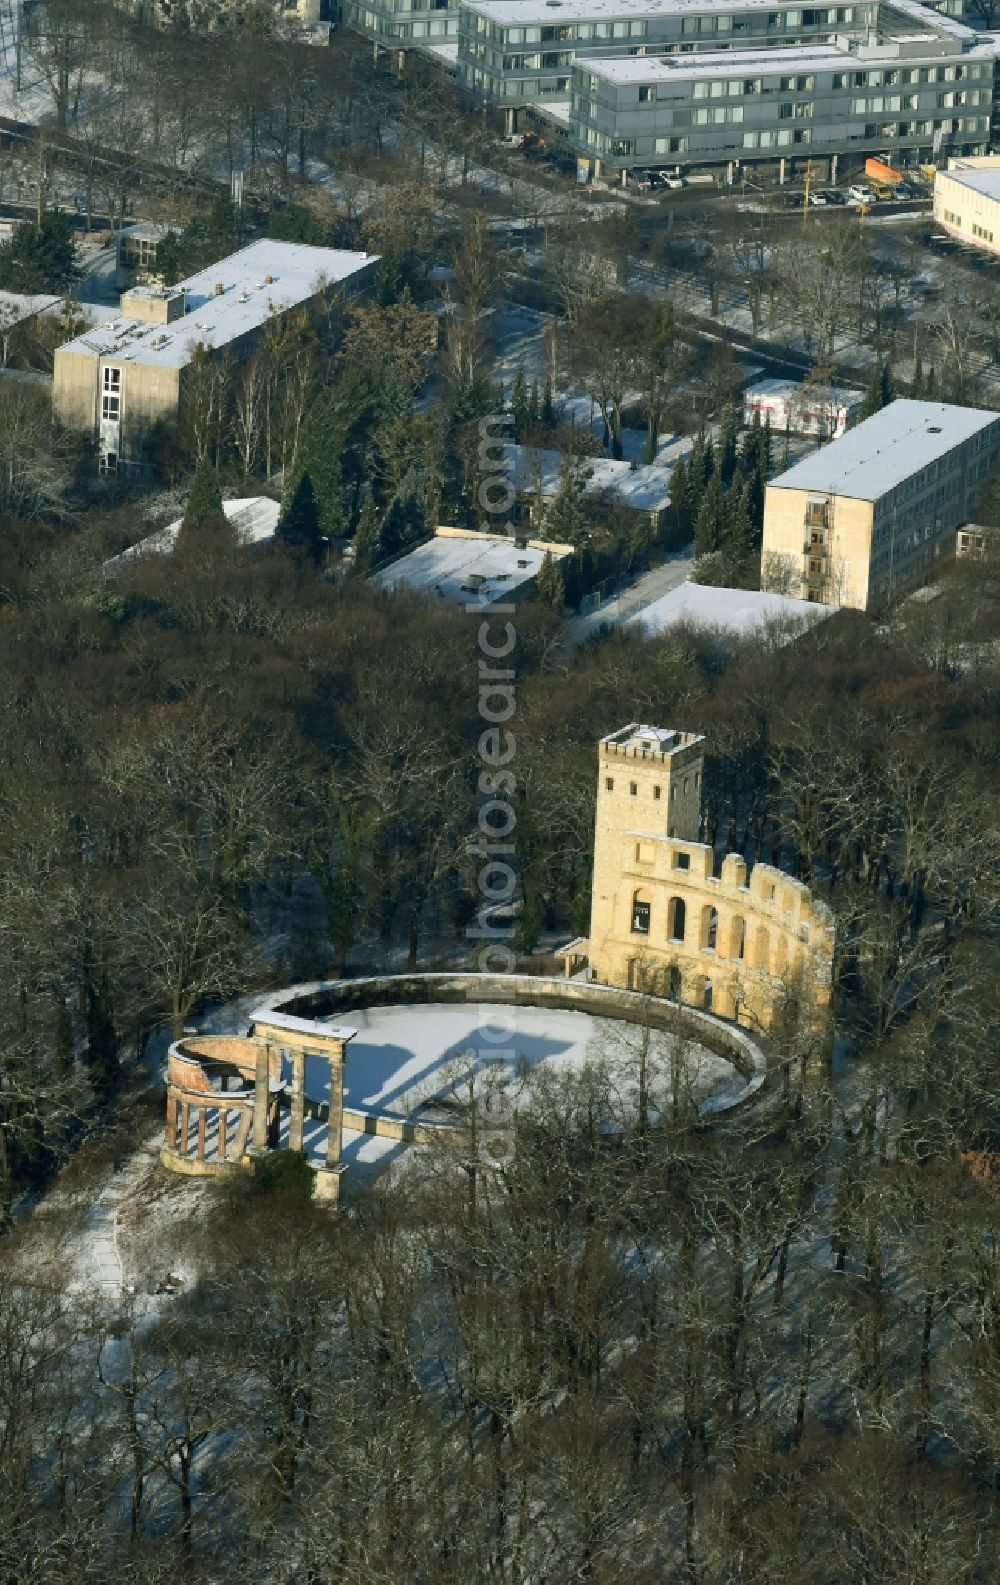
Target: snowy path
100,1263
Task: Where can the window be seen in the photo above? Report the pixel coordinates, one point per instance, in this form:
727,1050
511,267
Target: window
640,915
633,788
644,853
645,95
656,794
676,919
609,784
682,861
111,394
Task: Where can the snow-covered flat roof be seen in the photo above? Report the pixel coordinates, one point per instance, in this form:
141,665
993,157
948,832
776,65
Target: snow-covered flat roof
17,306
631,69
987,182
643,69
467,566
560,13
261,280
734,611
645,489
881,452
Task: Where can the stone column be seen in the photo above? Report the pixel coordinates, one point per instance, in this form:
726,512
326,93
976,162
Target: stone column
223,1131
296,1127
202,1131
260,1095
335,1126
171,1120
185,1127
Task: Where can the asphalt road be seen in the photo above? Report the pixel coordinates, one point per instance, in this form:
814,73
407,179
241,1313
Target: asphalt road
647,588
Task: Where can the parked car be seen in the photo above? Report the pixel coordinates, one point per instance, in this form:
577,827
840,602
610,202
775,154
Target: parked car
860,193
642,181
673,182
794,200
835,196
818,200
884,193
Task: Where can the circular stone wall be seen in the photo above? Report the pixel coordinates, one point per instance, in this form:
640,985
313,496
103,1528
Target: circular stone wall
423,1039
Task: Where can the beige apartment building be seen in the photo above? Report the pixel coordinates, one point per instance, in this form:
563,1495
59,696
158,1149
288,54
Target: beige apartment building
871,515
121,382
967,201
746,944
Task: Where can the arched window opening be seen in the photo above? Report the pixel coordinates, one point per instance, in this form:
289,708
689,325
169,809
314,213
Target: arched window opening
673,983
676,918
709,928
640,914
706,996
737,937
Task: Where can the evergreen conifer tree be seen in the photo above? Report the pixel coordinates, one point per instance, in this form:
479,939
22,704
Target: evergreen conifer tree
205,528
680,499
710,524
533,409
738,535
727,444
519,406
318,453
367,535
407,520
880,392
550,586
564,520
299,522
548,414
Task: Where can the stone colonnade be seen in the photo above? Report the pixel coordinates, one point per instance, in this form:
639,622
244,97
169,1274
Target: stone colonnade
277,1033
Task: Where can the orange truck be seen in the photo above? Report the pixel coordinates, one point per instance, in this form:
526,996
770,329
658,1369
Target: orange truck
878,171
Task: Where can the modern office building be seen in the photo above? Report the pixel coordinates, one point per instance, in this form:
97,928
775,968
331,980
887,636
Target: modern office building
407,24
121,380
518,52
871,515
911,95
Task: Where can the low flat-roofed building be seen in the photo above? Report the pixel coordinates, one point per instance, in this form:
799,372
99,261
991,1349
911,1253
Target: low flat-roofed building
788,405
254,517
869,516
733,613
120,380
466,567
967,201
537,473
812,103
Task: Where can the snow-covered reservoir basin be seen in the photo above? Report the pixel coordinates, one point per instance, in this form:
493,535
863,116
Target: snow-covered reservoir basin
405,1057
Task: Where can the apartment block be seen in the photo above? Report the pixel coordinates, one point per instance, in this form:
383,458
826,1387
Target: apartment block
871,515
121,381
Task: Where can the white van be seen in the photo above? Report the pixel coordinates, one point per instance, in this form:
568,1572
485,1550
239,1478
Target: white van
860,194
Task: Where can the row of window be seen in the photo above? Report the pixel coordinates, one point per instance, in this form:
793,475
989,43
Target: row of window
982,234
873,132
633,787
702,26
